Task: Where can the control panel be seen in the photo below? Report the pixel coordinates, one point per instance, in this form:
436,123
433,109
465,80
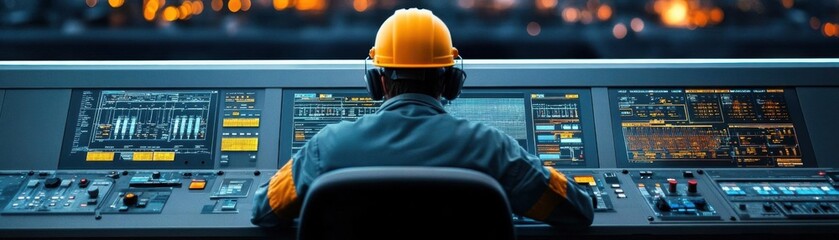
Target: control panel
674,195
105,194
774,195
240,128
45,192
100,154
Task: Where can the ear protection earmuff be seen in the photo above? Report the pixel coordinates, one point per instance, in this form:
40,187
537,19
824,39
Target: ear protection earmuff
453,82
453,79
374,84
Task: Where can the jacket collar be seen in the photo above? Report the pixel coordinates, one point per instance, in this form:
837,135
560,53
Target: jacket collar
412,99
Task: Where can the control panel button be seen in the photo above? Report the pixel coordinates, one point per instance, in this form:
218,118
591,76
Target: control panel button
66,183
52,182
197,184
692,185
673,185
32,183
93,192
83,182
129,199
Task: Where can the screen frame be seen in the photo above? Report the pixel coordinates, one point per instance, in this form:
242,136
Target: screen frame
793,106
586,117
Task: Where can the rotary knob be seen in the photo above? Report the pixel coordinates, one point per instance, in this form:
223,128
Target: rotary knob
93,192
673,184
692,185
129,199
52,182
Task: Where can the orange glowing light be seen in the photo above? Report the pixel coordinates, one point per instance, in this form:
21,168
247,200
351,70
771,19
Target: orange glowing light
658,6
246,5
116,3
717,15
197,7
788,3
281,4
184,11
148,15
361,5
675,13
533,29
170,13
700,19
604,12
829,30
545,4
310,5
234,5
216,5
153,5
637,25
91,3
619,31
571,14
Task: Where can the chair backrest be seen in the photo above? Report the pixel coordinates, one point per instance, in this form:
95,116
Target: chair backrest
405,202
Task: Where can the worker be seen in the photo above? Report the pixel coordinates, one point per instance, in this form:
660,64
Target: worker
416,67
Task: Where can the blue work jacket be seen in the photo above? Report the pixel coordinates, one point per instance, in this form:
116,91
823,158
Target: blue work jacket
415,130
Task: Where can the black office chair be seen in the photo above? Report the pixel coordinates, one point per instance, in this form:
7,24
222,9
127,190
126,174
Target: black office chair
405,203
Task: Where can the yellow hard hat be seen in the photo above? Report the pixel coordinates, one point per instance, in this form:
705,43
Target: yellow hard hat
413,38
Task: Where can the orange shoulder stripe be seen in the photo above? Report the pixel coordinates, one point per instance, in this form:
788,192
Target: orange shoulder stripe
557,190
282,194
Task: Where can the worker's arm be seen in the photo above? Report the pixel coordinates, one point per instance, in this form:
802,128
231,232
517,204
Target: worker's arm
542,193
278,201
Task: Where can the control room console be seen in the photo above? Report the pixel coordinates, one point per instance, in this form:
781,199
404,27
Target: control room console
665,148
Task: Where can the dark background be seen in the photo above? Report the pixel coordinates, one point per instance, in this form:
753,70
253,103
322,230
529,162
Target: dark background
345,29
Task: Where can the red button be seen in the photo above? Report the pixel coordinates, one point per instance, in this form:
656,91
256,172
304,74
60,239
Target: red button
692,186
673,183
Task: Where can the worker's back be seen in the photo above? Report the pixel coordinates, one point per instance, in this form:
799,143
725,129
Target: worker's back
415,130
414,60
412,130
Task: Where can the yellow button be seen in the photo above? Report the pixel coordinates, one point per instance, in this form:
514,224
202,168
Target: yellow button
100,157
197,184
164,156
240,122
239,144
143,156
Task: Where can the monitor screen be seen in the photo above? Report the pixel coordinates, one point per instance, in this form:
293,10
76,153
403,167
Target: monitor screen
547,124
116,129
709,128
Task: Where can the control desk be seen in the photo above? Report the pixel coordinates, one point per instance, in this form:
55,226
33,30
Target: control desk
176,149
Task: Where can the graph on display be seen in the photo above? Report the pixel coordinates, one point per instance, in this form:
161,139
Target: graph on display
557,128
499,111
120,127
740,127
313,111
548,124
151,116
